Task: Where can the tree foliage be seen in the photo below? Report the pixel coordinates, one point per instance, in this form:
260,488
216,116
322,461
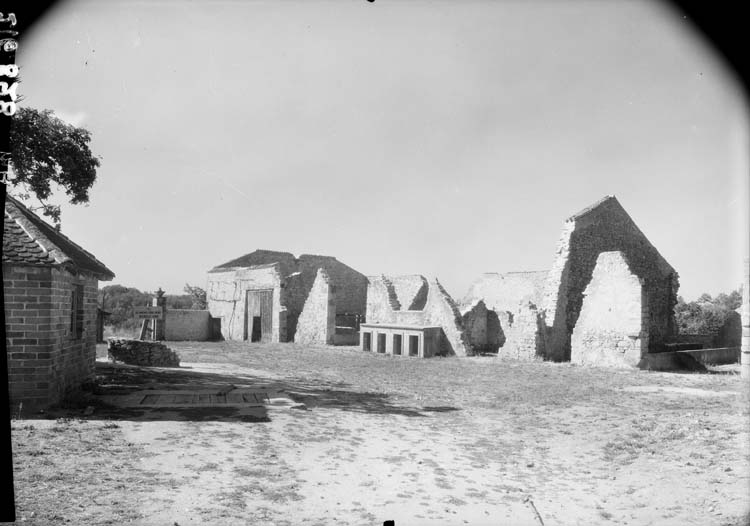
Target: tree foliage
198,296
119,301
46,150
706,315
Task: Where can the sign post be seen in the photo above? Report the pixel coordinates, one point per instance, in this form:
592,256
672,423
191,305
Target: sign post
153,317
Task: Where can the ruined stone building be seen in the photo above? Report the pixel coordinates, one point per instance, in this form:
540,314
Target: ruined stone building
269,296
606,227
608,288
399,307
502,310
50,285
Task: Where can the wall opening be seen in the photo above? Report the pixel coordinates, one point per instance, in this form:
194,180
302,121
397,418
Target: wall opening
414,345
257,333
397,344
381,343
367,341
258,316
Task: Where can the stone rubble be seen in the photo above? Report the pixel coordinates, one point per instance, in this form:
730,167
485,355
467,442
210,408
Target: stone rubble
140,352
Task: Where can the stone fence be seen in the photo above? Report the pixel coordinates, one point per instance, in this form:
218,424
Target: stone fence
139,352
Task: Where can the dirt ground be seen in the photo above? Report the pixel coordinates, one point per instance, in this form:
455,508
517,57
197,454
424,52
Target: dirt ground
357,438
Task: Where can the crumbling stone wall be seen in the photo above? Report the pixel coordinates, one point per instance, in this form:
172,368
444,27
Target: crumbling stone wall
45,361
612,327
317,323
140,352
605,227
483,329
411,291
439,310
505,292
290,279
504,296
524,331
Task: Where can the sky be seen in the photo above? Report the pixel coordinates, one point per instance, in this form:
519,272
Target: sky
442,138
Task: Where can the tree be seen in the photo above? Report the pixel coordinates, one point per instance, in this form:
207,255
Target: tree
706,315
119,301
198,295
46,150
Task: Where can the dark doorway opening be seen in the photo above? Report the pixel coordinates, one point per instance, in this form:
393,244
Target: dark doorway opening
381,342
397,344
257,333
367,341
414,345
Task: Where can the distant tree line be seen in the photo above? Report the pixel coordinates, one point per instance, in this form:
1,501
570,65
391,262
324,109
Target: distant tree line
119,302
706,315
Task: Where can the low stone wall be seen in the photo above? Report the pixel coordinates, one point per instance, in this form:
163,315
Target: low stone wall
139,352
187,325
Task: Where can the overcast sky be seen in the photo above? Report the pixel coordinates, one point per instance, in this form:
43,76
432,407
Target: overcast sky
443,138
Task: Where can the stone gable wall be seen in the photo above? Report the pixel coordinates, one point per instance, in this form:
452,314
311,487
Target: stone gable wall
317,323
612,327
605,228
440,310
411,291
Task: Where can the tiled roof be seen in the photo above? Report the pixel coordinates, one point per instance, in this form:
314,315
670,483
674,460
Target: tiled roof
28,240
257,258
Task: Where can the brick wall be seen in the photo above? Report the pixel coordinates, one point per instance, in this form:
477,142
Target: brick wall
612,327
44,359
75,359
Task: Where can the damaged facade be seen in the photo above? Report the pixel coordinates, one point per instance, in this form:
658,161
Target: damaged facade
508,305
269,296
606,227
407,305
569,312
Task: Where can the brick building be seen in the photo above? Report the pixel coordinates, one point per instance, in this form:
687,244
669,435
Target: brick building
50,285
271,296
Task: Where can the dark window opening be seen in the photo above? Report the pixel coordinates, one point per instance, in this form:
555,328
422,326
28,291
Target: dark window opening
256,334
381,342
396,344
367,341
76,312
413,345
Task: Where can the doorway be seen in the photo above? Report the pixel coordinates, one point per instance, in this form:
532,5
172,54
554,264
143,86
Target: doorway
258,312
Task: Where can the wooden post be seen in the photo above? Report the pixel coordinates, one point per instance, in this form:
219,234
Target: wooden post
745,352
